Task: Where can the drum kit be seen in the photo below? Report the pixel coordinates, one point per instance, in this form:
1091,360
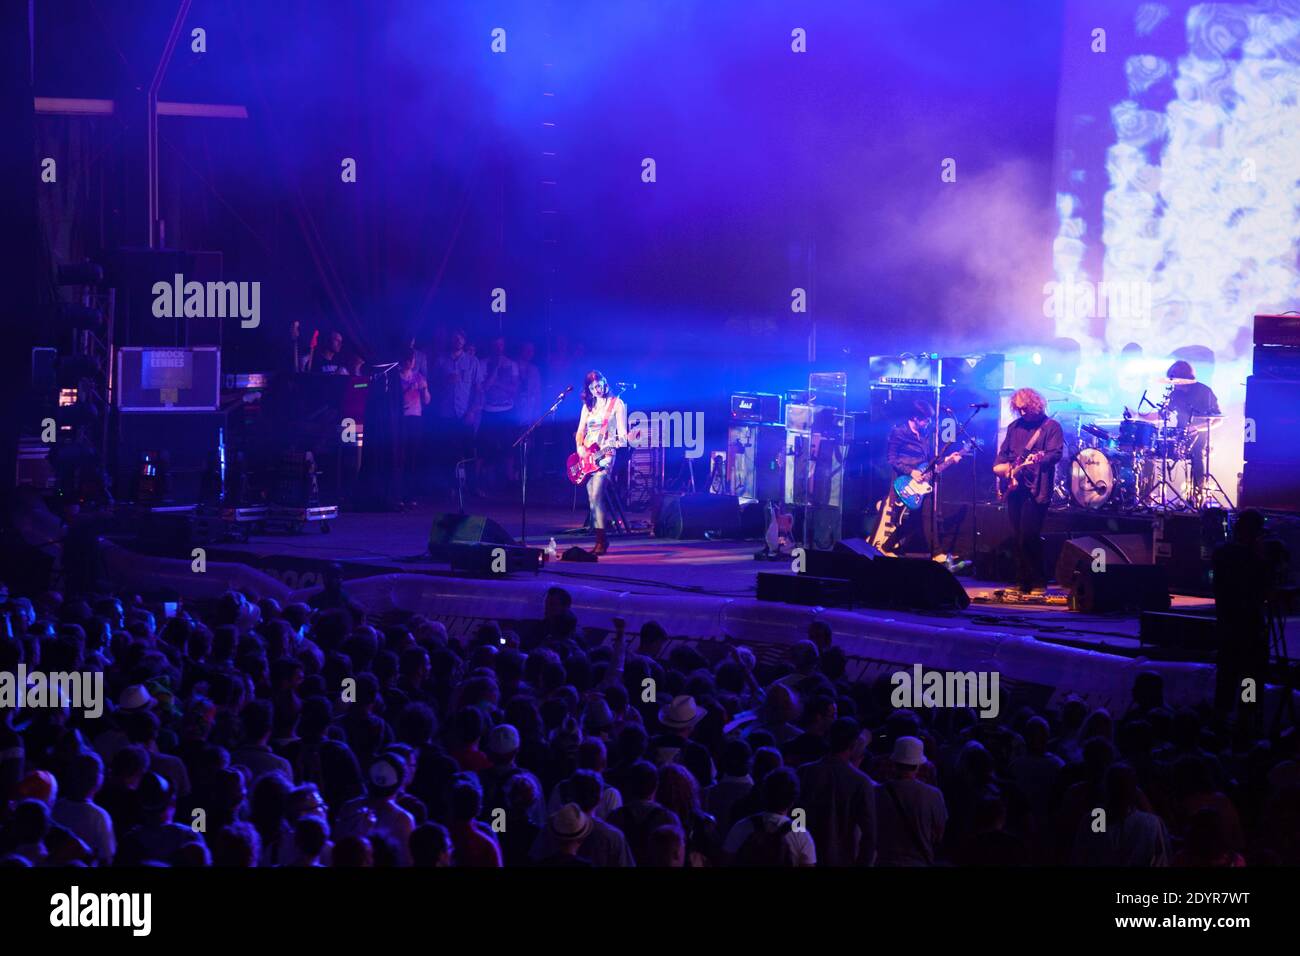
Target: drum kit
1137,464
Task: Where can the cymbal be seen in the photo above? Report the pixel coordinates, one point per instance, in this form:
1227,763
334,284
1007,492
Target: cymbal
1165,380
1059,406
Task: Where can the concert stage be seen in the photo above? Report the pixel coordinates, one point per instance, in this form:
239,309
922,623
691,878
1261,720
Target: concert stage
703,592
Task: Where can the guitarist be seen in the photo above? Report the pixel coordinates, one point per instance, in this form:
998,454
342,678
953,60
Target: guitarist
1026,461
908,452
603,423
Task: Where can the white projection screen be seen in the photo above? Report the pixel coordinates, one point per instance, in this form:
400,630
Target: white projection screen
1178,194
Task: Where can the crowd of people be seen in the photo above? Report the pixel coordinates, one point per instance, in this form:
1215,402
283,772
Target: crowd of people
247,733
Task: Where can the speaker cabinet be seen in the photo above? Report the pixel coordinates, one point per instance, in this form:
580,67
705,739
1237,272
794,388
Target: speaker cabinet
698,516
881,581
451,530
1114,549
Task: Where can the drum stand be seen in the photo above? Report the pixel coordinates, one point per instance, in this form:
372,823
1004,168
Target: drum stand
1159,457
1211,492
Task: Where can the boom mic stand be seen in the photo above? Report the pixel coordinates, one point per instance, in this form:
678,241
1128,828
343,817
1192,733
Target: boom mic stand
522,444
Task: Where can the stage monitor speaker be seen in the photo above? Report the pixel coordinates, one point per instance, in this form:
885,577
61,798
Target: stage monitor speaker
698,516
1113,549
882,581
493,559
451,530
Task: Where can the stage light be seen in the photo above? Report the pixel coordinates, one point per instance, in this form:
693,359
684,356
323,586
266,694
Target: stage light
1037,358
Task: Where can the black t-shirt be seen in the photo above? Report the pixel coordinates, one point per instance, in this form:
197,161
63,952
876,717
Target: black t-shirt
1195,399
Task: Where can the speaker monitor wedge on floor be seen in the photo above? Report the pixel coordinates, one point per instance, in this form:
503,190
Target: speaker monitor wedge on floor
882,581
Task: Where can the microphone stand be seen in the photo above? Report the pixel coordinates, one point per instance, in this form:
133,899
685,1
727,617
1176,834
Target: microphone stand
974,484
522,444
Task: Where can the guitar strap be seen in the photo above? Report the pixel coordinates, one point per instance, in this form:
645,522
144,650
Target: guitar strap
1033,439
604,425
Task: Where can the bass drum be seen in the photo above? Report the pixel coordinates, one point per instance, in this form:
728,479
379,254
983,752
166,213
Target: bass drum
1092,478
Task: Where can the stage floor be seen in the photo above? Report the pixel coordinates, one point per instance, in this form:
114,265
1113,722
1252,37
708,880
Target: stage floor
377,543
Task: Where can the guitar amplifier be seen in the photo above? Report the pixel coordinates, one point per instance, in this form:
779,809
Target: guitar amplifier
755,407
1277,330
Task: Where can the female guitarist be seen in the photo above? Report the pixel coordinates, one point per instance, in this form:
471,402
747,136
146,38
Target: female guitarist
602,427
1027,463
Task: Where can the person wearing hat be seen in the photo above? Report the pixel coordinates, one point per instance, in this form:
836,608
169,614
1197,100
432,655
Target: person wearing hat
134,699
679,718
502,746
568,828
910,815
606,846
158,838
384,779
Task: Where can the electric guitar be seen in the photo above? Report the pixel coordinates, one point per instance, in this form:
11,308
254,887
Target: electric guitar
912,491
906,494
587,462
1011,482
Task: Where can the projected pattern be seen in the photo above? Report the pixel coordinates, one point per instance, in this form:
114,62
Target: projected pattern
1203,189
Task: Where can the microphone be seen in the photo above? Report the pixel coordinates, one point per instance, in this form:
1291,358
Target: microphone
978,405
567,390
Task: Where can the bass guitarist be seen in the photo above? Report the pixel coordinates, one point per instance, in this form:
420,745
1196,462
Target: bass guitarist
602,428
1026,463
908,453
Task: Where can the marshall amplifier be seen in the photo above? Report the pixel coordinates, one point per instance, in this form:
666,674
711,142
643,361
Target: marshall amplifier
756,407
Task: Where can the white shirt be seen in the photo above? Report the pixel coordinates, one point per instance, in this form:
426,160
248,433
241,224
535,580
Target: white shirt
91,823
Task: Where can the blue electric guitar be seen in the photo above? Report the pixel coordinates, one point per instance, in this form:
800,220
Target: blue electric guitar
912,491
907,494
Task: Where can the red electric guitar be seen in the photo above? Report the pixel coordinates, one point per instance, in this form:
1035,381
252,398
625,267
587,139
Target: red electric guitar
580,465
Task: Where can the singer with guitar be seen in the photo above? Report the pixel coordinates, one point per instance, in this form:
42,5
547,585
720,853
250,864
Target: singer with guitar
602,428
1026,465
901,527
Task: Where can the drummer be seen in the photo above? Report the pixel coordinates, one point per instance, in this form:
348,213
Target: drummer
1189,399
